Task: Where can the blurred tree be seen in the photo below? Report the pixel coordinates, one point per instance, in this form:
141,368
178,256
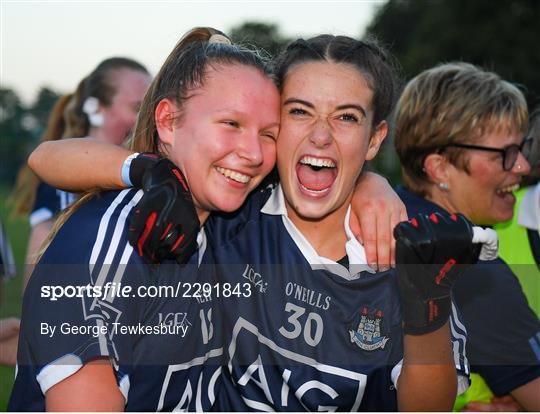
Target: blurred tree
14,138
263,35
498,35
42,106
20,129
10,108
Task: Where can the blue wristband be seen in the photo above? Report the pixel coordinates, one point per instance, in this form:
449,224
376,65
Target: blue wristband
125,170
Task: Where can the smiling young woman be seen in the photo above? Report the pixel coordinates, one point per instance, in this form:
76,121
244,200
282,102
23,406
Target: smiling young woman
183,118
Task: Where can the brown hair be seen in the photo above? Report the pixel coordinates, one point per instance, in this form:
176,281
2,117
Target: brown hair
24,192
183,71
452,103
370,59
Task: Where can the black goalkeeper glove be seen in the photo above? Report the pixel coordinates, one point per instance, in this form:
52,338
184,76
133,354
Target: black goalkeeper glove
165,224
431,252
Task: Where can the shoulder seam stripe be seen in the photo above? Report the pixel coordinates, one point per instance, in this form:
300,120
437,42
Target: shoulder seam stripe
103,224
113,246
460,341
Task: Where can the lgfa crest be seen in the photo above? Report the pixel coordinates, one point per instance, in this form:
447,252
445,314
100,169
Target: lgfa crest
368,334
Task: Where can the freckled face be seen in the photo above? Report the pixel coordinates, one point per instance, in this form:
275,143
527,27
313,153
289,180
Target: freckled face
225,140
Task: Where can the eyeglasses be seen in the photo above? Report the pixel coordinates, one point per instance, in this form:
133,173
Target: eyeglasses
509,153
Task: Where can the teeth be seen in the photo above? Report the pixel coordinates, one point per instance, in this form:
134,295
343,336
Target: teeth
509,189
234,175
317,162
324,190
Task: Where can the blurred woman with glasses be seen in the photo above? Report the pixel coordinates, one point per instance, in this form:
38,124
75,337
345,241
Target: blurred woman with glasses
459,133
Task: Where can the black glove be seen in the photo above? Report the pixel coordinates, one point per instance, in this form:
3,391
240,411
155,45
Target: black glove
165,224
139,165
431,252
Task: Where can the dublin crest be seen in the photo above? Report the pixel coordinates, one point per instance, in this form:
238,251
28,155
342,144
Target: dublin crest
368,334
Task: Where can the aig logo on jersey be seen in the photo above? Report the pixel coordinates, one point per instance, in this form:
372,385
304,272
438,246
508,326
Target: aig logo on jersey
368,333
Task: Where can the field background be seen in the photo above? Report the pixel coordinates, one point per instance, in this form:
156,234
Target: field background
10,302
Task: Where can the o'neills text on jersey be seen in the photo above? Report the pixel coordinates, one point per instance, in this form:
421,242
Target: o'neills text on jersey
309,296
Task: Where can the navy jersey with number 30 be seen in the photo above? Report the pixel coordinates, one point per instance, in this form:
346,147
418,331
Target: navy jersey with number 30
315,335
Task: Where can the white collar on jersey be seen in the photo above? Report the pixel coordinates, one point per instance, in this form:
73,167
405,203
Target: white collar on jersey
275,206
529,210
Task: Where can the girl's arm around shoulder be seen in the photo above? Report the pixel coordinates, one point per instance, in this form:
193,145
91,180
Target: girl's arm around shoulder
79,164
376,210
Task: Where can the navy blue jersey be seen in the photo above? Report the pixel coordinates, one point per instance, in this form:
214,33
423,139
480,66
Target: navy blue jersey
49,203
161,342
504,333
314,335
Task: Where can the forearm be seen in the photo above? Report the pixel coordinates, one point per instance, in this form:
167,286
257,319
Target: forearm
79,164
38,234
428,380
528,395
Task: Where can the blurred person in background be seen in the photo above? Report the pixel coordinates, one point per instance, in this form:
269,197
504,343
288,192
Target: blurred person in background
520,237
459,134
9,327
104,107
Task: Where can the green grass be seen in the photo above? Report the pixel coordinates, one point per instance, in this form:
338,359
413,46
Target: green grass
10,302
